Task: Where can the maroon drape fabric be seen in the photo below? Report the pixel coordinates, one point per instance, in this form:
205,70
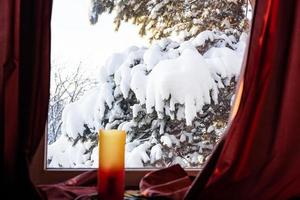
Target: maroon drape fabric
83,186
259,157
24,88
170,183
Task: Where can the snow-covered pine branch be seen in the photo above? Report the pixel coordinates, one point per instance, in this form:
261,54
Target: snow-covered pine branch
161,18
172,99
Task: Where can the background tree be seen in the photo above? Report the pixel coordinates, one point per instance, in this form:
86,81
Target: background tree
68,88
160,18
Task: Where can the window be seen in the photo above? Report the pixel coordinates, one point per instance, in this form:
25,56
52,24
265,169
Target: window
172,93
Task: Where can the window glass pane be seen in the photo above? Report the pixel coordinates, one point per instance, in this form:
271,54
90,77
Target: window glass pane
167,77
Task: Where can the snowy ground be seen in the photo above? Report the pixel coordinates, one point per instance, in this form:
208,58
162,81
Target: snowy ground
149,87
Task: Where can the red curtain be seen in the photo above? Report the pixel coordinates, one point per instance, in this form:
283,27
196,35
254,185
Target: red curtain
259,157
24,88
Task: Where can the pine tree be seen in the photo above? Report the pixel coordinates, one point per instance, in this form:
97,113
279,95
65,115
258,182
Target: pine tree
160,18
157,138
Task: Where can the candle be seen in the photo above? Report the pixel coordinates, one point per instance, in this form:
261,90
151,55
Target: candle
111,164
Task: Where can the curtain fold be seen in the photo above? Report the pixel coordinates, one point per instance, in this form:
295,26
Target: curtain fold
24,88
260,152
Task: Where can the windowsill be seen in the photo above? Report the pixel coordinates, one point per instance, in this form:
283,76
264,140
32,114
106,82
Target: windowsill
41,175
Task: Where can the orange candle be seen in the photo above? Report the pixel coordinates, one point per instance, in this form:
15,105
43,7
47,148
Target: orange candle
111,164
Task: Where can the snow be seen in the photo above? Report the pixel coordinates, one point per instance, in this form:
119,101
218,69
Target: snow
162,77
137,156
122,74
63,156
156,9
131,145
138,80
156,153
180,161
126,126
186,80
224,61
201,38
174,140
152,56
76,114
166,140
135,110
111,65
210,129
182,138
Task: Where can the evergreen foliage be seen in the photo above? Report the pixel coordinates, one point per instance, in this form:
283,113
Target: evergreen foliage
160,18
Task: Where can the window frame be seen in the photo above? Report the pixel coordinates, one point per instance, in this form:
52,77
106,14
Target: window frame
40,174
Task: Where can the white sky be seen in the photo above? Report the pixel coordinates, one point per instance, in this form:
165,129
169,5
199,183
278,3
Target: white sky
74,39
